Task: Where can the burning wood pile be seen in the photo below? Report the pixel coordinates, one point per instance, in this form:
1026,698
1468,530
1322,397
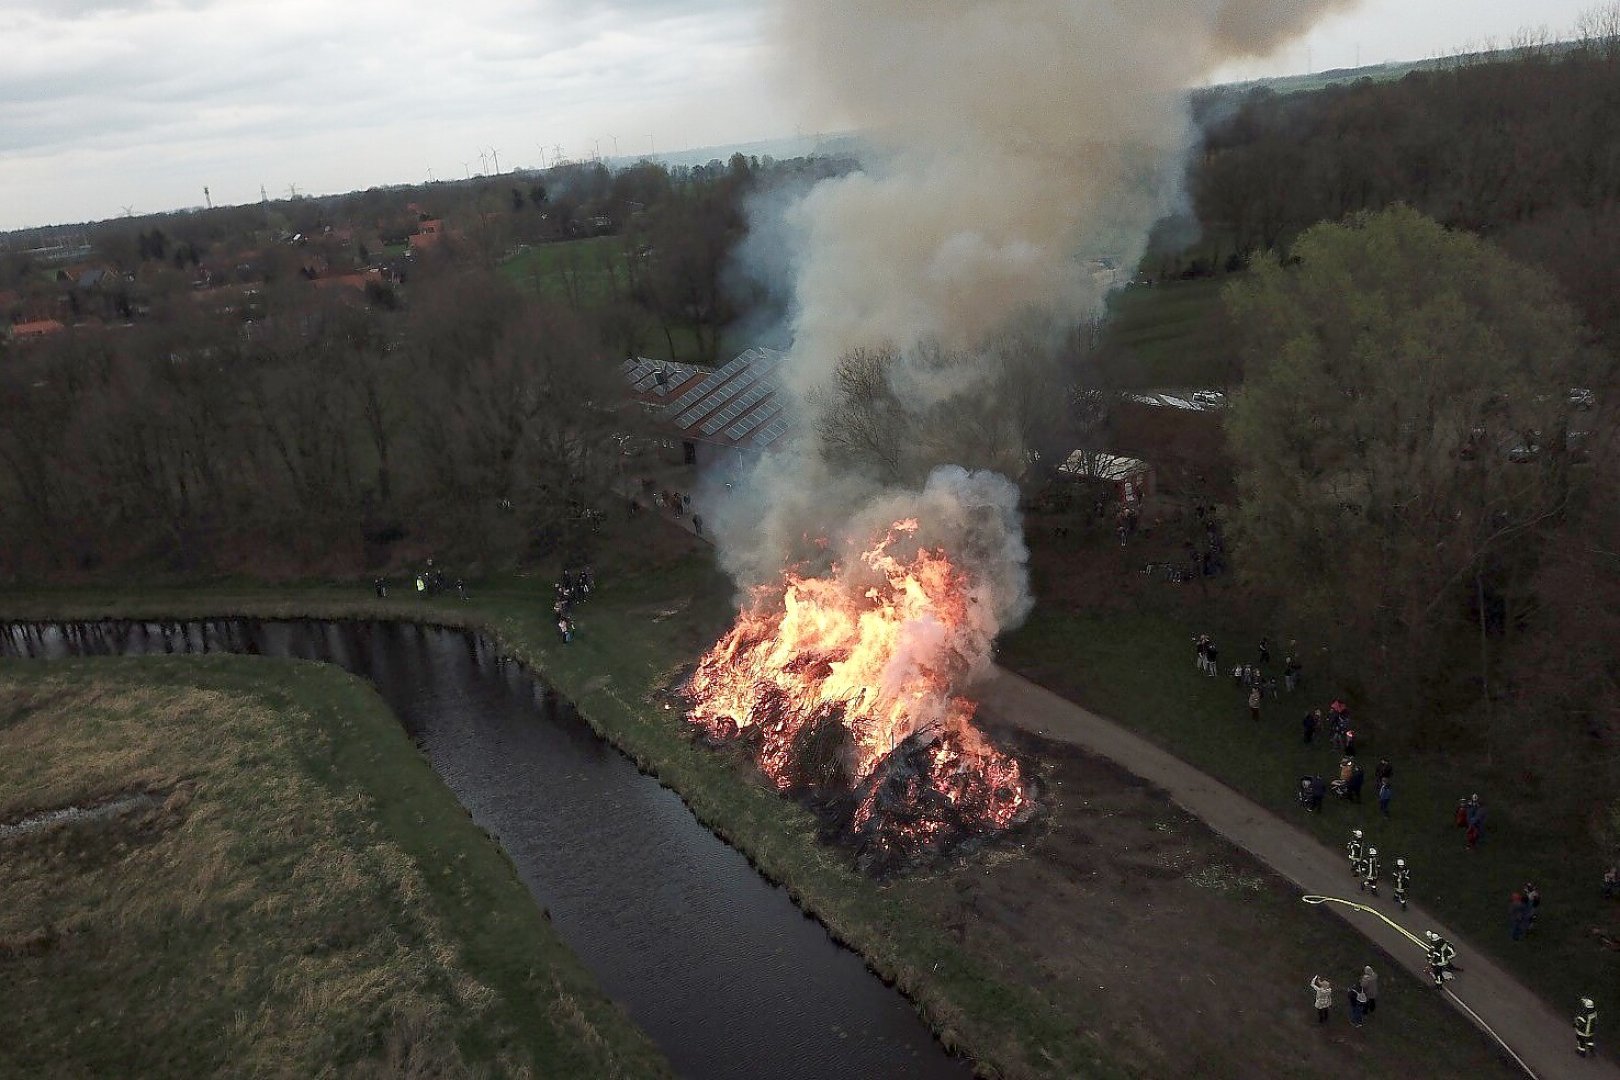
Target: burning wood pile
844,690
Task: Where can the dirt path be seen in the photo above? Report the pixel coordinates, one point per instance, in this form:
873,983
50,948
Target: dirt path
1543,1040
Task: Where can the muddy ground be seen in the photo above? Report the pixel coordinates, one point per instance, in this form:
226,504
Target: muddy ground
1177,951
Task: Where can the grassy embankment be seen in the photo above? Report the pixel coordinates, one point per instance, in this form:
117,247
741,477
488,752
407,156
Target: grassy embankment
635,634
302,897
1138,668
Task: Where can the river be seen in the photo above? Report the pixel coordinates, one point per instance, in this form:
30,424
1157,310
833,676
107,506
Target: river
717,965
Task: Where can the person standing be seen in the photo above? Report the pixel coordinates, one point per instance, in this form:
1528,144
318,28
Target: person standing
1385,793
1291,670
1369,988
1358,1003
1532,904
1585,1021
1324,997
1254,704
1353,849
1309,724
1403,879
1213,655
1265,652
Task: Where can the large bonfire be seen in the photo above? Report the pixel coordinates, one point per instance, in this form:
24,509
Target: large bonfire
847,688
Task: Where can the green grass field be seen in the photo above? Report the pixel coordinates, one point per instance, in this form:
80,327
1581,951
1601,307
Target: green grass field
1138,669
589,274
582,272
302,897
1168,335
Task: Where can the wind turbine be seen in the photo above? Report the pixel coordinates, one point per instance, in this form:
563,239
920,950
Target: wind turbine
483,163
431,179
652,146
466,167
209,199
129,211
496,155
292,191
541,147
596,152
615,139
556,154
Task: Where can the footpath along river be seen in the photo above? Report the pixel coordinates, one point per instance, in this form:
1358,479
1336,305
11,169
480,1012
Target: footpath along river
718,966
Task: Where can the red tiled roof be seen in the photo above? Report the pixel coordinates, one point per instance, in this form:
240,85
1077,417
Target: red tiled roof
37,328
357,280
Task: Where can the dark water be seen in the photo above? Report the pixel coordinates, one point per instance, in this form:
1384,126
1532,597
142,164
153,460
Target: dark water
716,965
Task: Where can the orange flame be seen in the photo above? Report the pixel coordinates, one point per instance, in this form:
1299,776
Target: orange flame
880,648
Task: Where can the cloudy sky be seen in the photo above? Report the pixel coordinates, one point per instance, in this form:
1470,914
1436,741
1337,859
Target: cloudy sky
112,103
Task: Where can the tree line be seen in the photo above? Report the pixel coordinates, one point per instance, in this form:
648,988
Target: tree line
479,420
1517,146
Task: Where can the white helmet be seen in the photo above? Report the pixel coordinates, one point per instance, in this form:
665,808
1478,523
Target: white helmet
1588,1003
1431,935
1356,833
1400,862
1372,851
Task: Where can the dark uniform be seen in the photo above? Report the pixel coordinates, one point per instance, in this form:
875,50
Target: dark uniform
1369,871
1403,878
1353,849
1441,953
1584,1021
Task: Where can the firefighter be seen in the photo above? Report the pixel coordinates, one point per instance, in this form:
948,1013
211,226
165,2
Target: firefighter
1369,871
1353,849
1436,965
1403,878
1583,1027
1441,953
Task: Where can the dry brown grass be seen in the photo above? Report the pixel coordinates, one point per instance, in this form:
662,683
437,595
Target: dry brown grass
256,923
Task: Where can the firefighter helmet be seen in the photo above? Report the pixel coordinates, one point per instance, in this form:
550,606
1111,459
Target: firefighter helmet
1431,935
1401,863
1588,1003
1356,833
1372,851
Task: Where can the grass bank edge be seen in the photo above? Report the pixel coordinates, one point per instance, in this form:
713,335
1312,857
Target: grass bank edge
1006,1030
557,1014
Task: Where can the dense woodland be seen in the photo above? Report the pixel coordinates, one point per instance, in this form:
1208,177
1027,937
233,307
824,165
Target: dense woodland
1523,149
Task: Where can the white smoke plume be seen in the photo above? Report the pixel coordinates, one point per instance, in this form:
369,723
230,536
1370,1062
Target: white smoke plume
1024,147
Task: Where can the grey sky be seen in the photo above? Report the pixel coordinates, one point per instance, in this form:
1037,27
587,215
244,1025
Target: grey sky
108,103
